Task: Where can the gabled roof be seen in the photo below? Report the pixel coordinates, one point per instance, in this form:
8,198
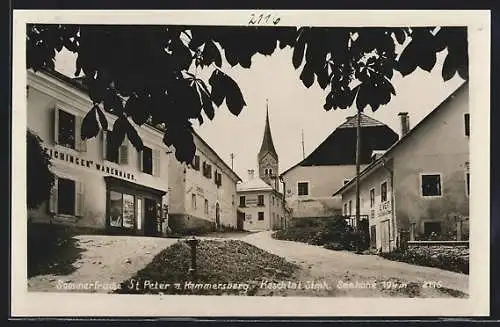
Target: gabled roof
339,147
254,184
366,121
404,139
267,141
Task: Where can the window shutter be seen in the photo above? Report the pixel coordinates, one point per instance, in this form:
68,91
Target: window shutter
156,162
123,152
53,197
56,125
140,156
79,190
104,144
81,145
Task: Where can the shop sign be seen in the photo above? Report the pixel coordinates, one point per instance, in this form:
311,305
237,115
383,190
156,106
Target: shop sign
57,155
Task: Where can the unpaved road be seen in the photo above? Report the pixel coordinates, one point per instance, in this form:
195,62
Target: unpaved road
105,262
343,273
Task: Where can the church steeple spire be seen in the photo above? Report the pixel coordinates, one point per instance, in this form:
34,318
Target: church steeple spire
267,141
268,158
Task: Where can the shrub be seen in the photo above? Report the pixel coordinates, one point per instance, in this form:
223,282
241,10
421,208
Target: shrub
325,232
449,262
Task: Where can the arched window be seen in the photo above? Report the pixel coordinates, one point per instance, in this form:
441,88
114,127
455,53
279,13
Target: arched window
270,171
266,171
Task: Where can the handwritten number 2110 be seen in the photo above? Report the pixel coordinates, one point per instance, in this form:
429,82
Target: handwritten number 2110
263,19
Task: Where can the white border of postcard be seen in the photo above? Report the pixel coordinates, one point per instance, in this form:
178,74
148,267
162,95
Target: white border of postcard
74,305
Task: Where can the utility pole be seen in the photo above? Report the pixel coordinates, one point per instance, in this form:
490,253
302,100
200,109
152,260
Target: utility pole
358,154
303,151
232,160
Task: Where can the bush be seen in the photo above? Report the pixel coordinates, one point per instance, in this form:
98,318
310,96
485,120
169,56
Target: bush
332,233
449,262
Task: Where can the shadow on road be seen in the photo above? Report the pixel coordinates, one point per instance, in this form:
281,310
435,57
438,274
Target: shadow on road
52,249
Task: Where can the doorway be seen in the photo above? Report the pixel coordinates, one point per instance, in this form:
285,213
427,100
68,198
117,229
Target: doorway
217,216
150,217
385,236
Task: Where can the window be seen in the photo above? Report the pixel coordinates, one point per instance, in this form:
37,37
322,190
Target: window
66,129
117,155
260,215
66,198
122,211
193,201
207,170
350,207
218,178
270,172
260,200
147,160
467,124
431,185
372,197
303,188
196,162
206,207
383,192
242,201
467,183
345,209
432,227
273,200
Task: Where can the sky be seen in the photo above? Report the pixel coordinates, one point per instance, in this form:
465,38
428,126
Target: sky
293,108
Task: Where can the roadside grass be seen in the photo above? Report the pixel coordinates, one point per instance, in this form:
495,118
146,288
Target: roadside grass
52,249
228,267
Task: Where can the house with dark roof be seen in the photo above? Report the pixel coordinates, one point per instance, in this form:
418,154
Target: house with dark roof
419,188
310,183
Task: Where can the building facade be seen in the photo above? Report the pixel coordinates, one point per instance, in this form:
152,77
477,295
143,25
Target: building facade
203,193
261,204
260,200
419,188
123,191
310,184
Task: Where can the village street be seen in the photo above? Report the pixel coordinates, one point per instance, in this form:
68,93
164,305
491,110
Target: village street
342,268
113,259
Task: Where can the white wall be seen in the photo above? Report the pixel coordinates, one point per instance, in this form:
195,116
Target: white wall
45,92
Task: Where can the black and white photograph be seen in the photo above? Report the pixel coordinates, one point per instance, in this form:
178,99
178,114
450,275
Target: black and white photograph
250,163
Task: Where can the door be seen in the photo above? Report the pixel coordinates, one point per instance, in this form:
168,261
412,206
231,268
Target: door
373,237
217,216
384,235
150,218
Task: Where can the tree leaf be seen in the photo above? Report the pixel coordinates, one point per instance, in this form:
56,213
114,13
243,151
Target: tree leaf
90,126
449,69
136,108
362,97
207,105
219,91
117,135
400,35
211,54
307,76
234,97
133,136
408,61
298,50
102,118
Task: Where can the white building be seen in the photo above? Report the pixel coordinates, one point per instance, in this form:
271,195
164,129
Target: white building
203,193
126,196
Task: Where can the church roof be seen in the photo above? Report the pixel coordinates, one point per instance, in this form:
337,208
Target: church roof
267,140
254,184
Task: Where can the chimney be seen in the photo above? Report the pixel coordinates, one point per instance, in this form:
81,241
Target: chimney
250,174
405,123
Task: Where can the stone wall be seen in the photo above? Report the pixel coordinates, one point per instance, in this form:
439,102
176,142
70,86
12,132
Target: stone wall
434,249
187,224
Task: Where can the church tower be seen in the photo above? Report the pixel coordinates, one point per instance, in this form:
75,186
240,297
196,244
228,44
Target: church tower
267,157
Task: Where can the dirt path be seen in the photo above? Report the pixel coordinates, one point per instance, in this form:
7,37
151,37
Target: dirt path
105,262
349,274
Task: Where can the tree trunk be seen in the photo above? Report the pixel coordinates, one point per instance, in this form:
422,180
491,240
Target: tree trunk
358,154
